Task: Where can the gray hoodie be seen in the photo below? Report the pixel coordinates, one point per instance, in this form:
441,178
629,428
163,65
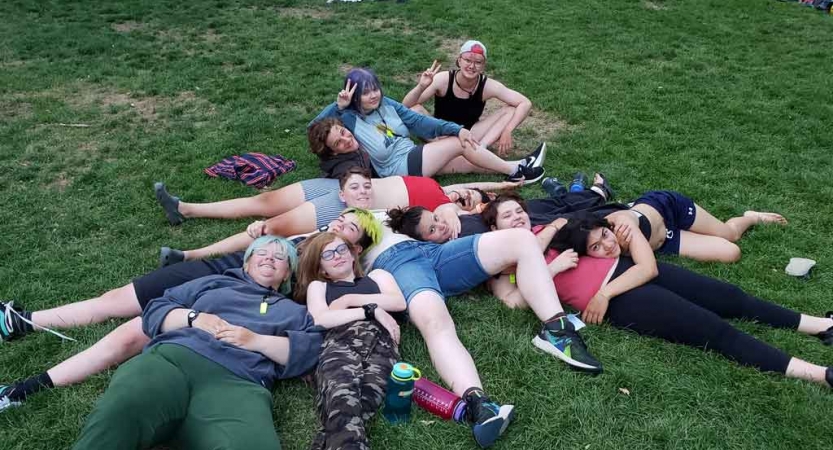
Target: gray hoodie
237,298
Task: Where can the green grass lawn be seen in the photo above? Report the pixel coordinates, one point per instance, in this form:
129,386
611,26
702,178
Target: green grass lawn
727,101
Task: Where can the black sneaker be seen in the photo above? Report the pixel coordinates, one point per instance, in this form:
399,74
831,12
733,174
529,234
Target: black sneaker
489,420
169,203
526,174
5,401
12,322
828,376
827,335
563,342
168,256
536,158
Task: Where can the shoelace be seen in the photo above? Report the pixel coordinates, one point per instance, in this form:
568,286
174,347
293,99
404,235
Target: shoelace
9,310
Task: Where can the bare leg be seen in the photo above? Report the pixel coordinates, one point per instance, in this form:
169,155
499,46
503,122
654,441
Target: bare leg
439,153
118,346
814,325
732,229
702,247
806,371
462,165
121,303
267,204
231,244
504,248
453,362
298,221
488,129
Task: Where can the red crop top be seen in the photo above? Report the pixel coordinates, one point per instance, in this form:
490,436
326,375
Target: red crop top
425,192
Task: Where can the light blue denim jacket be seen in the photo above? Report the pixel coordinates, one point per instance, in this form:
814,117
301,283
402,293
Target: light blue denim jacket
389,154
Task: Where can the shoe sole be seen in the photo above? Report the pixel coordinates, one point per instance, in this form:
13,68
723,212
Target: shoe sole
539,161
534,180
552,350
485,434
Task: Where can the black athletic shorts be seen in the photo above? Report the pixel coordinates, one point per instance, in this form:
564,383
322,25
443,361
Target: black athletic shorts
154,284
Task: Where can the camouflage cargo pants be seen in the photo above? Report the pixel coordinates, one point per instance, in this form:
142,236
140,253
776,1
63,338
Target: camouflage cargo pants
353,368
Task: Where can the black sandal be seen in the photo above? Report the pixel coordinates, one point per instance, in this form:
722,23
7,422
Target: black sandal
607,191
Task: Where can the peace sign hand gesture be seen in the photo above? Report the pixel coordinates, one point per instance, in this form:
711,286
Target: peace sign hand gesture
427,77
346,95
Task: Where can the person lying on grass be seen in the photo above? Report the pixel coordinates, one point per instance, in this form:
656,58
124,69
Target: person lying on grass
460,97
427,273
219,344
357,189
361,346
357,226
383,127
674,225
654,299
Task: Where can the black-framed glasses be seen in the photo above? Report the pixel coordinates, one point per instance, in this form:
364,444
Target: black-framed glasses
327,255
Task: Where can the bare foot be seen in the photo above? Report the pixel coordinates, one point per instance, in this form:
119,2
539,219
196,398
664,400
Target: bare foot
766,217
597,178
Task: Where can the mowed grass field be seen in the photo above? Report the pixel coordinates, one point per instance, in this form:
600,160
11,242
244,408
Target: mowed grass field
730,102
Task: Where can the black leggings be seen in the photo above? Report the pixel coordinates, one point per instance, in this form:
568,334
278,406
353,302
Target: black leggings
687,308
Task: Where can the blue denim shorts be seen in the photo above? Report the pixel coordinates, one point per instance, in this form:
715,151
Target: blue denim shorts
447,269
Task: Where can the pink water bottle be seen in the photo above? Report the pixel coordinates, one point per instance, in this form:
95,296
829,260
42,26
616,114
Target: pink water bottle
439,401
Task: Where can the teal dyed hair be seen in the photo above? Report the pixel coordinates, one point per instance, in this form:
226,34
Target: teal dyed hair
291,256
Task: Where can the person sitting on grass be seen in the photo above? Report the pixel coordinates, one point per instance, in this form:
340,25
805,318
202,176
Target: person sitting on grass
361,345
460,97
219,344
357,226
383,128
654,299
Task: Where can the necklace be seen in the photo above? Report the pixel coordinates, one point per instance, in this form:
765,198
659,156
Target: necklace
470,92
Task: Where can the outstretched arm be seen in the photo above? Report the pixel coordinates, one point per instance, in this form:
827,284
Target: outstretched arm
488,186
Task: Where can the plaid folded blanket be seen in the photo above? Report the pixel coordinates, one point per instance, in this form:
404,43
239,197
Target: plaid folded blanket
253,169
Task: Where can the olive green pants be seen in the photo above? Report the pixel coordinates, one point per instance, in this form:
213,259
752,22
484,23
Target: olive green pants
172,393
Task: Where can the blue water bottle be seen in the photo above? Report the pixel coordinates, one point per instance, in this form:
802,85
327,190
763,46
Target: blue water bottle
398,396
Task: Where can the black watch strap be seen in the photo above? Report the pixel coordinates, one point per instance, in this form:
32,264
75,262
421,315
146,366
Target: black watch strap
370,311
192,316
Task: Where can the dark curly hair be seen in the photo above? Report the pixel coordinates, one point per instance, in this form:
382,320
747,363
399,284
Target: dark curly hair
317,135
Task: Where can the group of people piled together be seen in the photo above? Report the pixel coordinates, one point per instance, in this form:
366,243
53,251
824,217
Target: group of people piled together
342,261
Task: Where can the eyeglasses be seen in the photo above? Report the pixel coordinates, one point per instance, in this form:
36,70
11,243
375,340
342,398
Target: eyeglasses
265,253
471,62
327,255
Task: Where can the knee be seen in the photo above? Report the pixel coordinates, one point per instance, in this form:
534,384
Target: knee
731,253
128,340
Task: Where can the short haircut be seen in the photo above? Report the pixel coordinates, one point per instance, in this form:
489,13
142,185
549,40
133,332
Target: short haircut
291,256
364,79
353,170
370,226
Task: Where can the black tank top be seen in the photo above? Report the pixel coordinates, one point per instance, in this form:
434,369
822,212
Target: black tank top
364,285
465,112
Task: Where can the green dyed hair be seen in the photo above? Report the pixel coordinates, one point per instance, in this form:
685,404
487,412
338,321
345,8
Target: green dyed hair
291,255
372,228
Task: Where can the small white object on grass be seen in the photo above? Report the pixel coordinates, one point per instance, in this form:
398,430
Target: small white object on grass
799,267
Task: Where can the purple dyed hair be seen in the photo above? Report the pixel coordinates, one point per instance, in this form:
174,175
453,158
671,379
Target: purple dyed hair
363,79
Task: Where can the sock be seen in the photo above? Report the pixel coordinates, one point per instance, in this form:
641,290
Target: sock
559,322
29,386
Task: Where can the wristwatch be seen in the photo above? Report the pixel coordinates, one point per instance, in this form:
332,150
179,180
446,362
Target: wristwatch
192,316
370,311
